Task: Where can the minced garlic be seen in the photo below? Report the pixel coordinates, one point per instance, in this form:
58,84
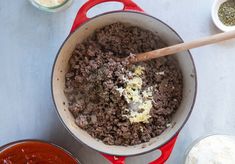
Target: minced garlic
143,116
139,70
132,89
136,98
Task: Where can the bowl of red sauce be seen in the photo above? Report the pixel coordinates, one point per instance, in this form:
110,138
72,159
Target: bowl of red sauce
35,151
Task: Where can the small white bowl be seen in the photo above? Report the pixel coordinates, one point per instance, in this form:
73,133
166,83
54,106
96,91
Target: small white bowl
215,17
197,141
57,8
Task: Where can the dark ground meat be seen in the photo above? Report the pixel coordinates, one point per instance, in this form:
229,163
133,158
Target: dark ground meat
94,73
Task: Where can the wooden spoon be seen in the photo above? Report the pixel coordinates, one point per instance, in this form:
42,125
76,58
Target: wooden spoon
181,47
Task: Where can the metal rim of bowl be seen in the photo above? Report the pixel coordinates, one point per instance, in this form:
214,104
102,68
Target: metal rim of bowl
52,74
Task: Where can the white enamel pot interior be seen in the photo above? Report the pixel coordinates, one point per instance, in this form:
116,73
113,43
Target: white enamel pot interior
146,22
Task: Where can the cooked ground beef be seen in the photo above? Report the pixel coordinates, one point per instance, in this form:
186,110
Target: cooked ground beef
96,71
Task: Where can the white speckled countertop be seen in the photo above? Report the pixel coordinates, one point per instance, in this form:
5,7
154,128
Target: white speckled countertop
29,42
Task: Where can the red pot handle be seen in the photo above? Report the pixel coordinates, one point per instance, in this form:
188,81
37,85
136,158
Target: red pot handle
115,159
81,15
165,150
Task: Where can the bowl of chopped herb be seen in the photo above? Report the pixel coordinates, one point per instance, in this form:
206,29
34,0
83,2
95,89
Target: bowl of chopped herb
223,14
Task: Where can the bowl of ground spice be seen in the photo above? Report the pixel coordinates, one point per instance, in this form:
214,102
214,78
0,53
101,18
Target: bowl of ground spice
223,14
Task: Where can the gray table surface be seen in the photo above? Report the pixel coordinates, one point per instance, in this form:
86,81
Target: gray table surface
30,39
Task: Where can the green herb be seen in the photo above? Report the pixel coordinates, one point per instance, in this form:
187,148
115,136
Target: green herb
227,13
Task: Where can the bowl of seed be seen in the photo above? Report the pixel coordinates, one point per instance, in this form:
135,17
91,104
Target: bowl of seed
223,14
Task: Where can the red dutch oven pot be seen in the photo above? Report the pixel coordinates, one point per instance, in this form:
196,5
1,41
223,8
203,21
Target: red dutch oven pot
133,15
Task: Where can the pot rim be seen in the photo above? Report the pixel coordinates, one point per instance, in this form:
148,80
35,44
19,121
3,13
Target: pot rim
121,11
8,145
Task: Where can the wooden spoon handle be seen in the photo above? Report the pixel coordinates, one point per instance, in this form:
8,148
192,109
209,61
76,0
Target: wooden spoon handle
182,47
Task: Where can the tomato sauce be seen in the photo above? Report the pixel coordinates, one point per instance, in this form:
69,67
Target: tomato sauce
34,152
